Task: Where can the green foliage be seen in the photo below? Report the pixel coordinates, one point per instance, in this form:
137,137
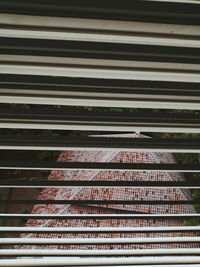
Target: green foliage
195,195
49,133
191,158
4,222
191,222
113,109
47,155
26,211
187,158
186,135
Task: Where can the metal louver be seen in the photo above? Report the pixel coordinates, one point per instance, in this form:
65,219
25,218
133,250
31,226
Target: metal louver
141,54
